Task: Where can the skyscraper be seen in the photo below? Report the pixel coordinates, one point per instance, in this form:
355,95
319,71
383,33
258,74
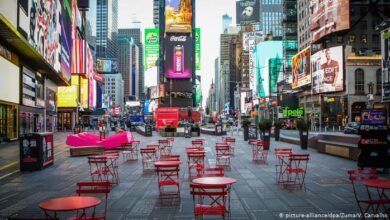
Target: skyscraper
136,34
156,13
271,15
226,22
106,28
125,62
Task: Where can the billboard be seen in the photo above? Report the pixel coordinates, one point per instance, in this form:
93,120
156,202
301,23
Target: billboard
328,16
247,11
327,69
66,20
107,65
152,47
105,101
197,49
198,91
268,66
67,95
84,86
45,31
78,57
178,56
250,40
178,16
301,69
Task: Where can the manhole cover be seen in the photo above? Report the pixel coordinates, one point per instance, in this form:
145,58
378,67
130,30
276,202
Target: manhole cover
325,181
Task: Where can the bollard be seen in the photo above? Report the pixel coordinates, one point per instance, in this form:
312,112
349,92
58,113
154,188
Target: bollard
339,128
333,128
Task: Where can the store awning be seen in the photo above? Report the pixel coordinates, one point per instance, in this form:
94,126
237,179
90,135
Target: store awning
19,45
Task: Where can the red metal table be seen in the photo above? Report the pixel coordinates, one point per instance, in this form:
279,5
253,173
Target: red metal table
281,166
167,163
70,203
381,185
112,167
214,181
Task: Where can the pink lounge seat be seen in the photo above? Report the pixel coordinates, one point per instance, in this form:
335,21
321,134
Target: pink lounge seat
117,140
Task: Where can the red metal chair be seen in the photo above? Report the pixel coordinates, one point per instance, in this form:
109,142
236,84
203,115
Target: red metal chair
98,168
191,149
231,141
111,153
296,170
197,143
259,154
168,177
356,177
223,155
148,156
165,148
170,140
93,188
210,172
195,159
172,157
281,163
131,152
210,200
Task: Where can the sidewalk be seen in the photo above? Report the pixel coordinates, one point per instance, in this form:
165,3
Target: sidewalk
254,196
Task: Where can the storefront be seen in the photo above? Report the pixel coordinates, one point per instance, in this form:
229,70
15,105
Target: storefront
334,111
51,111
64,120
356,110
9,95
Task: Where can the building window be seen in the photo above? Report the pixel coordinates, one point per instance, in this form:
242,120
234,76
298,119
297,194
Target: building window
352,38
339,39
359,81
363,24
375,38
379,82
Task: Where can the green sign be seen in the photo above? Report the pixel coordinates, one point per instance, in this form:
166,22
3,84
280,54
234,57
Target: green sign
197,48
299,112
152,47
198,92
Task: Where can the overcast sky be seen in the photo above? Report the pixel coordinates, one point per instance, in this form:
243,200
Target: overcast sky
208,18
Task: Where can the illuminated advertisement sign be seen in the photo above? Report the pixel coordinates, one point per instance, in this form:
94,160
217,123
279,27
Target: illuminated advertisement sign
197,49
250,39
84,92
45,31
178,54
327,69
328,16
66,20
152,47
105,101
107,66
146,107
247,11
298,112
268,66
178,16
67,95
198,90
301,69
78,57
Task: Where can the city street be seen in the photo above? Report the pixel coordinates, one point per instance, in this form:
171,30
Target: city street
255,195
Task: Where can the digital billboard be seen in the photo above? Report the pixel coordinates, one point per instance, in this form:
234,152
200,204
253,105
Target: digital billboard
107,65
198,90
84,86
45,31
78,57
67,95
250,40
178,16
247,11
301,69
328,16
152,47
66,21
197,49
105,101
327,69
268,66
178,56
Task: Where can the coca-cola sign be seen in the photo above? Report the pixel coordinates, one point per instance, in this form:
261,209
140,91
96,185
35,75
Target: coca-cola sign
178,38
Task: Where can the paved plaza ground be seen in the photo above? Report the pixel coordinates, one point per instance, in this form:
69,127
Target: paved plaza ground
255,195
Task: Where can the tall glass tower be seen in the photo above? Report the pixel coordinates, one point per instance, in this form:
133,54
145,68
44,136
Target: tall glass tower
106,28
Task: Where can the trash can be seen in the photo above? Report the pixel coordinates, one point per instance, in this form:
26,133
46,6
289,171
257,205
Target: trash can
36,151
148,130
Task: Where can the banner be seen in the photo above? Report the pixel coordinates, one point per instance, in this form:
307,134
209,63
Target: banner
327,69
107,66
301,69
67,96
250,39
247,11
328,16
197,49
178,16
152,47
178,54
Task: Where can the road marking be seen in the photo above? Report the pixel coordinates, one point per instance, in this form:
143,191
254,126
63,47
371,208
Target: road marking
9,174
9,165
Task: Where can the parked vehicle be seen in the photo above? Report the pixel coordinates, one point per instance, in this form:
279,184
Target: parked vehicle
352,128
